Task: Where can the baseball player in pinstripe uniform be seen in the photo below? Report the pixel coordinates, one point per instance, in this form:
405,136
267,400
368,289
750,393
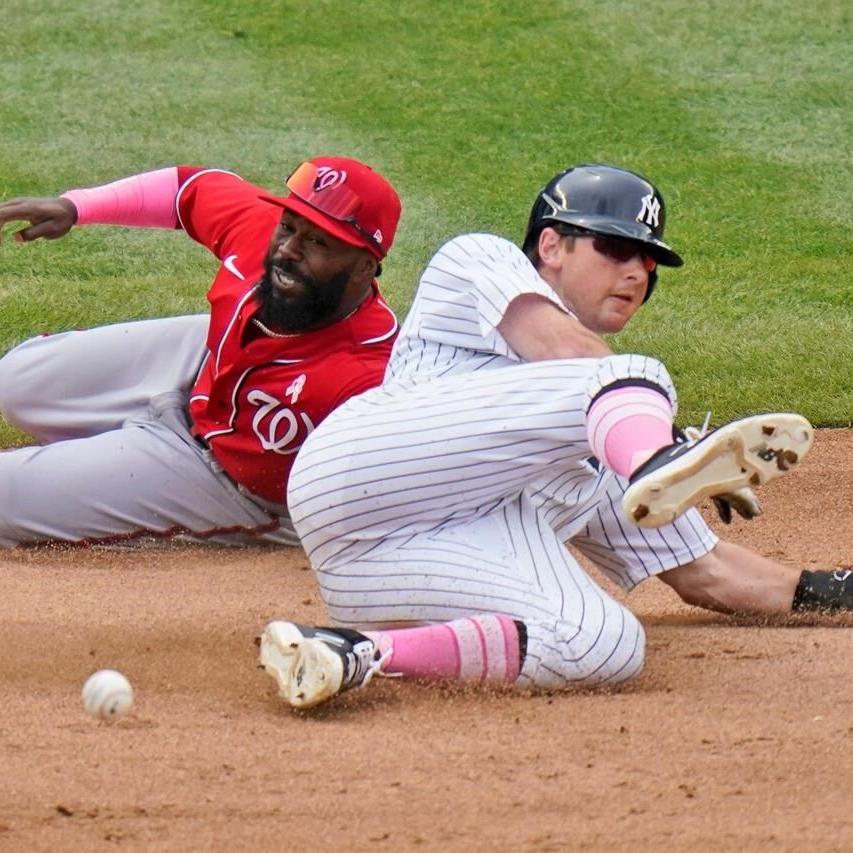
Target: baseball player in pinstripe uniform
189,425
435,508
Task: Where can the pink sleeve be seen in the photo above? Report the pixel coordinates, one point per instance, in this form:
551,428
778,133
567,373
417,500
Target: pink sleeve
146,200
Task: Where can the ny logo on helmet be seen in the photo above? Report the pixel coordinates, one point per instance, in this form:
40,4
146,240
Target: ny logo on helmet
650,211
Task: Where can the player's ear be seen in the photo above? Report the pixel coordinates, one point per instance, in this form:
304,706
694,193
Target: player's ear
549,248
365,266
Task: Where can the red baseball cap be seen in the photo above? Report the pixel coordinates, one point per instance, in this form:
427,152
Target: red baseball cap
346,198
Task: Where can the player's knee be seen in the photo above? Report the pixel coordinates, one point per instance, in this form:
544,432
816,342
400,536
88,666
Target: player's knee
35,379
617,370
16,392
18,493
568,655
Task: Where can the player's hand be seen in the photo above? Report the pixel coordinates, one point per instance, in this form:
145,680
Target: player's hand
49,218
742,501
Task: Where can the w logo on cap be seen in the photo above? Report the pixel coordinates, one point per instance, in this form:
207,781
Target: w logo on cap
328,177
650,211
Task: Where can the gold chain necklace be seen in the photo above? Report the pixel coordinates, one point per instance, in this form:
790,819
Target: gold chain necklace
270,332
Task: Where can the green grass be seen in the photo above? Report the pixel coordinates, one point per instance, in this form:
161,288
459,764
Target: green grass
740,112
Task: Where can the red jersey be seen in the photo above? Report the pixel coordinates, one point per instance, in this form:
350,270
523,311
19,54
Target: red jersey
255,403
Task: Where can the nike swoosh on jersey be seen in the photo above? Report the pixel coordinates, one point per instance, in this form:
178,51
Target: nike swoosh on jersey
229,264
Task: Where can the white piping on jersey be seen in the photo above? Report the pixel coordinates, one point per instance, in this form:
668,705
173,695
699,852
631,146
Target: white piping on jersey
248,293
203,361
237,385
233,416
233,320
188,182
385,335
215,432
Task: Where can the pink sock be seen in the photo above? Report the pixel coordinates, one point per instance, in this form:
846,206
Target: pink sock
627,425
146,200
478,649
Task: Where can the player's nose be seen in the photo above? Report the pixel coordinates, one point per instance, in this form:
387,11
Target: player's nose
636,277
635,268
288,248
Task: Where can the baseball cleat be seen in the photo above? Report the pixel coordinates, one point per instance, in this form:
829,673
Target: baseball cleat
313,664
744,453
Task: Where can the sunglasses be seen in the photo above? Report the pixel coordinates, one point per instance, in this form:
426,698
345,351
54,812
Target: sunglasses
621,250
616,248
325,189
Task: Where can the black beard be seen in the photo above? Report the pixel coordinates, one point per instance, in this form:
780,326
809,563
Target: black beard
319,301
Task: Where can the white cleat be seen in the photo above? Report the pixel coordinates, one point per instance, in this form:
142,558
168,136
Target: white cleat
313,664
744,453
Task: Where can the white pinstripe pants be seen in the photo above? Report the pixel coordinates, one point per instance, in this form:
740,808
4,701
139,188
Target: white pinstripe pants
426,503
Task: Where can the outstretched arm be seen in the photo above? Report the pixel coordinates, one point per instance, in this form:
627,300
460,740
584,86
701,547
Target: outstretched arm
146,200
733,579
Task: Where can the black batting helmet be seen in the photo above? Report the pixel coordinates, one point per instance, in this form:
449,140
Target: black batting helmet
608,200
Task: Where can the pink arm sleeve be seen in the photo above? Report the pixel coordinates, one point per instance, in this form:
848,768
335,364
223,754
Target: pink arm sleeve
146,200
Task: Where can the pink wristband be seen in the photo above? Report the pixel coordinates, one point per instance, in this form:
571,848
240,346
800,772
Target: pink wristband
146,200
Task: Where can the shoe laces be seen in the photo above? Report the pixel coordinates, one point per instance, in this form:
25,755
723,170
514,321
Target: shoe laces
376,668
695,433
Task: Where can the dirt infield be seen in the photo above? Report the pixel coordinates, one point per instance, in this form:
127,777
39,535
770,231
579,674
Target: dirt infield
738,734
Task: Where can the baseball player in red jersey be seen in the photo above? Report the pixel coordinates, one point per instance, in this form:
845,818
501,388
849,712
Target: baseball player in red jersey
189,426
505,428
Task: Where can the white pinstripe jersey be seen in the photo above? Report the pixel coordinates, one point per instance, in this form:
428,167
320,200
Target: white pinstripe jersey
451,329
464,291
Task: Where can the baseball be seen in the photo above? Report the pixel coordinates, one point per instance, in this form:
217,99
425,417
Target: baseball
107,694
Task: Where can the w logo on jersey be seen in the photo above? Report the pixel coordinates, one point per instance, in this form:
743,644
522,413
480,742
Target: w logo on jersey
277,427
650,211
